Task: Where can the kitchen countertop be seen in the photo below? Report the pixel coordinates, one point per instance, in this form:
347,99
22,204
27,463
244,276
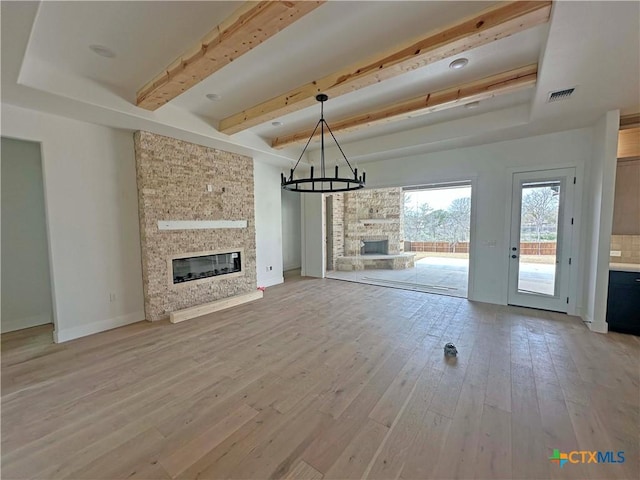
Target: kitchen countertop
625,267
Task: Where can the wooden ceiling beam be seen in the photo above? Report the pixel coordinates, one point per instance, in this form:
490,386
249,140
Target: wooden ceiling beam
499,21
495,85
245,29
629,143
629,121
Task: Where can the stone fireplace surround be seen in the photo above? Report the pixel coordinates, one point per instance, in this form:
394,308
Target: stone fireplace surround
369,215
374,246
173,178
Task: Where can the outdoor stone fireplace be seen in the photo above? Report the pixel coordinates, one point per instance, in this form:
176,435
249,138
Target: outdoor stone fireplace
197,224
374,247
368,230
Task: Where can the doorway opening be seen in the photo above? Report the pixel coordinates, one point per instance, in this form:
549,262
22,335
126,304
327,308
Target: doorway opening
26,284
415,238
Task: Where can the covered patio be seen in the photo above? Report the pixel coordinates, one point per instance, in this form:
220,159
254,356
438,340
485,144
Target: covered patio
442,275
449,275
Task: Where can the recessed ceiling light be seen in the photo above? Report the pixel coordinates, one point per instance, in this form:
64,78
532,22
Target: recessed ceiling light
213,96
459,63
472,105
276,124
102,51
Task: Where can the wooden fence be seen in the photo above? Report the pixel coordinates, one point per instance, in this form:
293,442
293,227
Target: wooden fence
526,248
459,247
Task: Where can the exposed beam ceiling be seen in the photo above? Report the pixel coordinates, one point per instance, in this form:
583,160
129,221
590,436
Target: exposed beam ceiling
629,143
629,121
245,29
500,21
500,84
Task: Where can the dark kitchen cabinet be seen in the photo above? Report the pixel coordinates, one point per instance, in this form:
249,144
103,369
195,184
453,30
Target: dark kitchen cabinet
623,305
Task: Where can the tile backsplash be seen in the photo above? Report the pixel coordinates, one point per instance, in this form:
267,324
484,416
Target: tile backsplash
628,246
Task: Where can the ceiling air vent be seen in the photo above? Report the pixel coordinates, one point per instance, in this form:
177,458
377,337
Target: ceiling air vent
560,94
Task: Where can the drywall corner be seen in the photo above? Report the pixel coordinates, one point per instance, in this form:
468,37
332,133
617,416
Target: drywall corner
598,215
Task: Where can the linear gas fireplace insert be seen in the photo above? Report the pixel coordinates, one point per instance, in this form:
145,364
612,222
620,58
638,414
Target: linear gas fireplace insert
201,267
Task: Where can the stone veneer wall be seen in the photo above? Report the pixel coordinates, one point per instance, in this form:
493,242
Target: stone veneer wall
380,203
172,180
337,223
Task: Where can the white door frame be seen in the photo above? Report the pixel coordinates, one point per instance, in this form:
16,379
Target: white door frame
565,257
47,215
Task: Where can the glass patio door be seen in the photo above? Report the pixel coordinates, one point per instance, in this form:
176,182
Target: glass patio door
541,229
415,238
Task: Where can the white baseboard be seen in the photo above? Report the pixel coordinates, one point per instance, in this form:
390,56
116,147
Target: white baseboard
598,327
272,280
67,334
13,324
286,268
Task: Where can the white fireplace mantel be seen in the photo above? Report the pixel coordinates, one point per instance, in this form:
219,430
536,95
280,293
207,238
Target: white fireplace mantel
379,220
200,224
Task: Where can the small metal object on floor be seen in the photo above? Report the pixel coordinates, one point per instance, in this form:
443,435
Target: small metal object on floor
450,350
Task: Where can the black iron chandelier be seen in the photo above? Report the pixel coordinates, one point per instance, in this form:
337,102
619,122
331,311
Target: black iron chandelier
323,183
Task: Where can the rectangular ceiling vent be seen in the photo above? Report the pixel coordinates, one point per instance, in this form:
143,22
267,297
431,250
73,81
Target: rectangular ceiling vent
560,94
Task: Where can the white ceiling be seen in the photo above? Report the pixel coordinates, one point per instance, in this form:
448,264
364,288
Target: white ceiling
523,49
63,32
47,65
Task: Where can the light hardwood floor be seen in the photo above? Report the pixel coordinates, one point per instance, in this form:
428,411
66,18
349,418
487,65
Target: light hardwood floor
323,379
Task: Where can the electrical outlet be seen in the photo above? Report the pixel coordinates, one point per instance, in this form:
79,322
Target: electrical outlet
112,297
615,253
269,268
209,188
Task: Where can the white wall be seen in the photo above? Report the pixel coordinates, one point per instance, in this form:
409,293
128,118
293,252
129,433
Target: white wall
291,238
312,233
599,219
491,167
268,223
26,287
91,203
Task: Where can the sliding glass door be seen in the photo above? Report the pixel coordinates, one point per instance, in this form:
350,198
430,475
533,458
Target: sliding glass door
415,238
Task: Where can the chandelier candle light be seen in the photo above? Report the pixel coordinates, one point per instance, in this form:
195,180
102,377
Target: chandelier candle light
323,183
